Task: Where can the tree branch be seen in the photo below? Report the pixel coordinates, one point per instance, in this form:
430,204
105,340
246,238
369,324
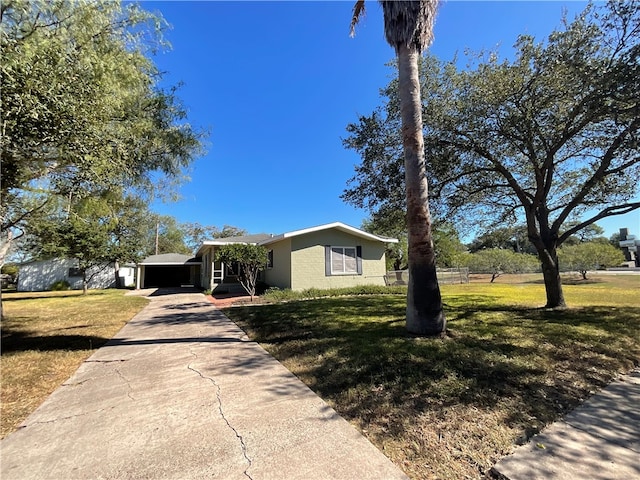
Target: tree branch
13,223
597,176
607,212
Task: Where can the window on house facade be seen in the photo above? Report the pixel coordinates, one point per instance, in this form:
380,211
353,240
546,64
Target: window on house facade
343,260
270,259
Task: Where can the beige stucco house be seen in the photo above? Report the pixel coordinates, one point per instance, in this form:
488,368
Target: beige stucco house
326,256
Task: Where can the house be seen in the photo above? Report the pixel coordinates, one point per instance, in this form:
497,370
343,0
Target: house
40,275
326,256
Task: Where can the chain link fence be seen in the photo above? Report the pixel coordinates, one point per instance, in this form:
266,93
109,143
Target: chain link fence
445,276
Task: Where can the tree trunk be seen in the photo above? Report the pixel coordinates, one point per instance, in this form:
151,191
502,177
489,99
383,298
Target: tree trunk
85,283
424,303
551,275
116,266
5,245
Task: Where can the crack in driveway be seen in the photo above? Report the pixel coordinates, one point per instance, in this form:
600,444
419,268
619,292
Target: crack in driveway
118,360
220,409
127,382
61,419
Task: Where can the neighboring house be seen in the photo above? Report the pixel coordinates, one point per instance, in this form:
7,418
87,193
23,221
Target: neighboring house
168,270
38,276
327,256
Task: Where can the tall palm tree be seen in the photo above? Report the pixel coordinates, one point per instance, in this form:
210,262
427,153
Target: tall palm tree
408,27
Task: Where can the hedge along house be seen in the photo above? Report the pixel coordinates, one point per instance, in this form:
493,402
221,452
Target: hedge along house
168,270
327,256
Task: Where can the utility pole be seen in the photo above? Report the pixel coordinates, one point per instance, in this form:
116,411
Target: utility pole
157,235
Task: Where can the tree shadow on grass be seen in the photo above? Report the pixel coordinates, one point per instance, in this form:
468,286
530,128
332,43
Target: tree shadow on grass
17,341
356,353
19,296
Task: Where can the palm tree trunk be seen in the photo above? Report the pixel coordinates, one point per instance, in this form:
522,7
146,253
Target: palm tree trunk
424,303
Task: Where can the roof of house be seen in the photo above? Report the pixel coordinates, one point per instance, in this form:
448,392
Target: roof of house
171,259
338,226
267,239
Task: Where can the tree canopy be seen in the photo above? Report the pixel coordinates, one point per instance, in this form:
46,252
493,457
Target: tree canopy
547,138
251,259
498,261
446,240
586,256
86,230
82,110
120,228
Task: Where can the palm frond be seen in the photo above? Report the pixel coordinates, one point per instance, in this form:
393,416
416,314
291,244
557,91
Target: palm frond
358,12
409,23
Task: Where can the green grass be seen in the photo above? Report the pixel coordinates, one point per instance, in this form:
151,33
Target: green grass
45,338
450,408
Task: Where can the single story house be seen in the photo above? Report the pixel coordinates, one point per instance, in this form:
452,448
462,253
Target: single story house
326,256
168,270
38,276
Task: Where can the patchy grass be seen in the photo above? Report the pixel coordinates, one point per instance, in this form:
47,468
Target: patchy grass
450,408
45,338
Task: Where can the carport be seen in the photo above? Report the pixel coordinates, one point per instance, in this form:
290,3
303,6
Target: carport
169,270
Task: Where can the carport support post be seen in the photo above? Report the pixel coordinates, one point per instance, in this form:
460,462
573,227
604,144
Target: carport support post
138,275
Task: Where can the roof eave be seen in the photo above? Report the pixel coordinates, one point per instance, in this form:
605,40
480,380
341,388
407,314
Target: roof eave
339,225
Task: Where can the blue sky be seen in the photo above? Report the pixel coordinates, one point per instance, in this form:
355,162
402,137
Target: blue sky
276,83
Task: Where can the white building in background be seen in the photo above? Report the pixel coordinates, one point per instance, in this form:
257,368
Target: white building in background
38,276
630,246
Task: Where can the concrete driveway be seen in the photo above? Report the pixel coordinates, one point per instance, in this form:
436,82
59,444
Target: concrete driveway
180,392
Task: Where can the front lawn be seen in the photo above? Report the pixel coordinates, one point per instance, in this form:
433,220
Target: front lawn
450,408
45,338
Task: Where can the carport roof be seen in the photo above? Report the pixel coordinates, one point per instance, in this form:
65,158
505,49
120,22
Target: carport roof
171,259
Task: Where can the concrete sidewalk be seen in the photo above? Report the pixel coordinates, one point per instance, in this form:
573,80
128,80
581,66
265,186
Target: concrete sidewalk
599,440
180,392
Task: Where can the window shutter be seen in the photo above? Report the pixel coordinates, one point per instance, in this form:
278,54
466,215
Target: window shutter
327,260
359,259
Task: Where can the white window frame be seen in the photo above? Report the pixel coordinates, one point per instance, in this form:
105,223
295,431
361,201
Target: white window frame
343,271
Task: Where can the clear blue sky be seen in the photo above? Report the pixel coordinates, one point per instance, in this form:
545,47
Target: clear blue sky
276,83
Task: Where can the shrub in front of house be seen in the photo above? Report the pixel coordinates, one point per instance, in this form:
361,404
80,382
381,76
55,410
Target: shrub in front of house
275,294
60,286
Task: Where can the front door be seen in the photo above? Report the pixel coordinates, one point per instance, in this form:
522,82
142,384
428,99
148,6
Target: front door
218,272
